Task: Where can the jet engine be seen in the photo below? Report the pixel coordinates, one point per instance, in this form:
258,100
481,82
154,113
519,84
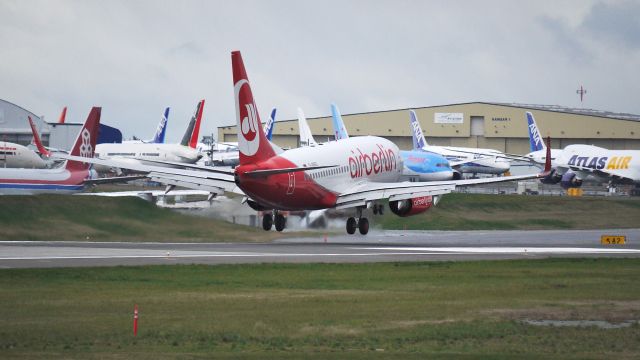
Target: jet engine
551,179
256,206
570,180
412,206
457,175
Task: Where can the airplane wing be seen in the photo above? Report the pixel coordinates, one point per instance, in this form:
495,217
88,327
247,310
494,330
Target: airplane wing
112,180
214,181
363,193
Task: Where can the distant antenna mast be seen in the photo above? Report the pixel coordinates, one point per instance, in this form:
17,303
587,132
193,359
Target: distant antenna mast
581,92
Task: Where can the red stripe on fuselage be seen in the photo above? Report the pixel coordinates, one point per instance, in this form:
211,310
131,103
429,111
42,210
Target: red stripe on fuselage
289,191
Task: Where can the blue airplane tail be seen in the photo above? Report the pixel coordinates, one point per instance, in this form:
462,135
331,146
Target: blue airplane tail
418,136
158,138
535,140
268,127
338,125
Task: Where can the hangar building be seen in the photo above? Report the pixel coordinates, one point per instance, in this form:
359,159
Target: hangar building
499,126
14,127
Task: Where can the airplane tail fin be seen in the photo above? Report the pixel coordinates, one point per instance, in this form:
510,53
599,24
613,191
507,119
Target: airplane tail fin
306,137
252,141
36,139
158,138
193,142
418,136
535,140
63,116
188,134
268,127
338,125
86,141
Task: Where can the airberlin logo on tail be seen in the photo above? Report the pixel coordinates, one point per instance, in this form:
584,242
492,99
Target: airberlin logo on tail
247,119
379,161
85,148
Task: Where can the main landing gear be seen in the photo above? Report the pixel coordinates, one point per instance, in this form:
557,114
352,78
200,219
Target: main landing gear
268,220
362,224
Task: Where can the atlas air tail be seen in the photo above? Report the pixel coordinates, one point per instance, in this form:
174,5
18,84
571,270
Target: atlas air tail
69,177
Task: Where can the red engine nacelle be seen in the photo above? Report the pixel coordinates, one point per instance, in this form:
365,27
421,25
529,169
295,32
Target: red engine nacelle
412,206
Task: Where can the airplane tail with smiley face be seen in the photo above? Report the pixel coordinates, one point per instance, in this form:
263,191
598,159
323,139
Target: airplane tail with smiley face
252,141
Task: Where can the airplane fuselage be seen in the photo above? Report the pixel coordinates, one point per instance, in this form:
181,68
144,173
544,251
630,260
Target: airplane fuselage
18,156
349,162
41,181
485,161
138,152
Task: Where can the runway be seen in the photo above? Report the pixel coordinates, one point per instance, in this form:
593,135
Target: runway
378,246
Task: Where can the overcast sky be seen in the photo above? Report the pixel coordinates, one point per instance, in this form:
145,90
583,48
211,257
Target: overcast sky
134,58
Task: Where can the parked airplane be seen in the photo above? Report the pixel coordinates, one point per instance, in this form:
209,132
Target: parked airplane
462,159
357,173
14,155
158,138
184,152
419,165
572,165
70,177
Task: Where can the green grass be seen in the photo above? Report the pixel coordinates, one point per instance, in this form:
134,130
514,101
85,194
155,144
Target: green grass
63,217
510,212
392,310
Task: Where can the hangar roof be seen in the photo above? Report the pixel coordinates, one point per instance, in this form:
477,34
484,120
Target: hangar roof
570,110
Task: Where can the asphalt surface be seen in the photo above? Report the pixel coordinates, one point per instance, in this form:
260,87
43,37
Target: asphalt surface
378,246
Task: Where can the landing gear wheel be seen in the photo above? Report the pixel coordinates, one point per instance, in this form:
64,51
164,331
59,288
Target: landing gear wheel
363,226
267,222
351,226
280,222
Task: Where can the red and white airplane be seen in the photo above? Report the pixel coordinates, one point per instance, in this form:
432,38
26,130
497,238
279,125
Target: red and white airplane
358,172
70,177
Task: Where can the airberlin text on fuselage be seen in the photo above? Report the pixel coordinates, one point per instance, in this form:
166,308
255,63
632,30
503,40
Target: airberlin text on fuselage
379,161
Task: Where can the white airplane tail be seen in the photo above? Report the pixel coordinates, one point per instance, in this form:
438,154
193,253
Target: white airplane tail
306,138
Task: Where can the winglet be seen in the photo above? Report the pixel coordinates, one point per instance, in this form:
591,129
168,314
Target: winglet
36,139
63,116
547,162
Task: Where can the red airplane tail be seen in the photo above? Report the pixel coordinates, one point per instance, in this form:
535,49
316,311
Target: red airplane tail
252,142
63,116
36,139
193,142
85,144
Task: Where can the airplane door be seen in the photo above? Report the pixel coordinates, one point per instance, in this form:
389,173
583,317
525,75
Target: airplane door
292,183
